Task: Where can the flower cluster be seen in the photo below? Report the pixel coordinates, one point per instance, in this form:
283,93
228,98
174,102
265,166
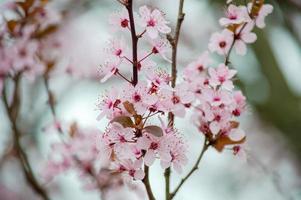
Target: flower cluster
239,23
217,103
80,152
132,139
136,135
22,38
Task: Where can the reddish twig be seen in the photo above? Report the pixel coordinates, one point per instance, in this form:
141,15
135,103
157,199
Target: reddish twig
129,7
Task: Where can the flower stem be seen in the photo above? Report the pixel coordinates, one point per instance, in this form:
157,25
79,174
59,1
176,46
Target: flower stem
174,44
147,184
194,168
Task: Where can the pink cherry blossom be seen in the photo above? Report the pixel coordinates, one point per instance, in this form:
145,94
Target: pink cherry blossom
177,99
153,22
221,76
161,46
198,67
235,15
110,67
240,103
217,97
178,150
133,168
221,42
244,36
119,137
116,47
139,96
110,105
264,11
120,20
153,145
158,78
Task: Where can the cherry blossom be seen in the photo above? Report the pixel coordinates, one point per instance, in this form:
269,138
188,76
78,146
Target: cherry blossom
133,168
221,76
235,15
244,36
264,11
153,22
120,20
116,47
178,150
110,67
140,97
153,145
132,140
197,68
178,99
110,105
161,46
221,42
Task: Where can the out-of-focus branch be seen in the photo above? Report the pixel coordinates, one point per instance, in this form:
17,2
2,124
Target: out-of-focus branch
12,112
174,44
51,102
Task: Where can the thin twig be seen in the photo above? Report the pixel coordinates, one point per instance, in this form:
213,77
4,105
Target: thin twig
194,168
123,77
174,44
235,37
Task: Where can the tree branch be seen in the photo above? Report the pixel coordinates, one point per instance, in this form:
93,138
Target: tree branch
194,168
174,44
12,112
129,7
147,184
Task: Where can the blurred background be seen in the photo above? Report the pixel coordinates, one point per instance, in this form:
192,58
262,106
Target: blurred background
269,75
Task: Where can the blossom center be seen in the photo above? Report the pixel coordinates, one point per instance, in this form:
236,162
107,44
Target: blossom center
124,23
132,172
221,79
154,146
137,97
118,52
201,68
222,44
151,23
175,99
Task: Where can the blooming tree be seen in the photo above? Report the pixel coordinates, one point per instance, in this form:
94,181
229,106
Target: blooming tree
141,109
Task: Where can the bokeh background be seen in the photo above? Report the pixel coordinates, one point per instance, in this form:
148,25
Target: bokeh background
269,75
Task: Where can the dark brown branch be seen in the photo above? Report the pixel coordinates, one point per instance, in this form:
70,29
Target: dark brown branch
194,168
147,184
12,112
167,183
129,7
174,43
